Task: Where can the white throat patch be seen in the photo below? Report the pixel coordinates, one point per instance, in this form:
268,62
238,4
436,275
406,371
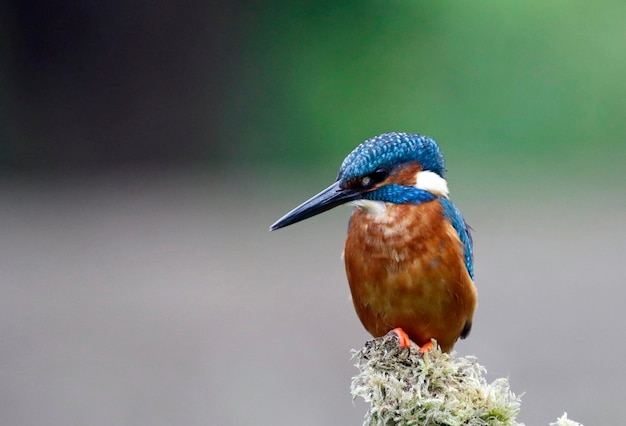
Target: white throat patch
432,182
370,206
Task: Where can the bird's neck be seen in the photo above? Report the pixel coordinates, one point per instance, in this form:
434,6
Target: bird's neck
389,218
386,226
372,207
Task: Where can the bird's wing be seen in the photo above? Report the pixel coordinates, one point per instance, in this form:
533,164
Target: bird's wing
462,228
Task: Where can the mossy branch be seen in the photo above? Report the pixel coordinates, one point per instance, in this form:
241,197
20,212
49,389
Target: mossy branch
437,389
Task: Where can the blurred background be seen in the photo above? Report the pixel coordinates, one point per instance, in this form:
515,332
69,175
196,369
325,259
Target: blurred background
145,148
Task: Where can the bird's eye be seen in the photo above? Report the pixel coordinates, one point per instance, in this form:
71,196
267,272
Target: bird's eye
375,177
379,175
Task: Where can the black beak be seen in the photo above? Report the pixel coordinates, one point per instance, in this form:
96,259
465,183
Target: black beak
332,196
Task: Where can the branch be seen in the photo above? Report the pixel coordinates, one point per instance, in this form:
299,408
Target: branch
404,388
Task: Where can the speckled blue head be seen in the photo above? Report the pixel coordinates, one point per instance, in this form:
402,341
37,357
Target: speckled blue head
390,149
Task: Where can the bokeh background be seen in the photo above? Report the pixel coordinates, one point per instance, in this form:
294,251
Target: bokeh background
145,148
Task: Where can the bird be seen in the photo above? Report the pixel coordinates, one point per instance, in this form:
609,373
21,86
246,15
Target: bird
408,252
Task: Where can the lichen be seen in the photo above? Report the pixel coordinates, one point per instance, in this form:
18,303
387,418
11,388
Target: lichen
405,388
564,421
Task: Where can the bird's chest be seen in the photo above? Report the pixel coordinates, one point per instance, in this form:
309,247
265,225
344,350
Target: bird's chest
400,254
396,237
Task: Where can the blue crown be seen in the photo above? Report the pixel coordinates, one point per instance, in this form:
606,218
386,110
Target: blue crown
390,149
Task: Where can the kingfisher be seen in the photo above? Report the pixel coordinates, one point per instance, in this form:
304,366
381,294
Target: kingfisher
408,252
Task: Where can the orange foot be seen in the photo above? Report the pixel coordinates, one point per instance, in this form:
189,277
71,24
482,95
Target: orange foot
427,347
403,338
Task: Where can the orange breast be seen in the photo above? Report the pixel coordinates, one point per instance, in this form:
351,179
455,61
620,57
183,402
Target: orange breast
406,269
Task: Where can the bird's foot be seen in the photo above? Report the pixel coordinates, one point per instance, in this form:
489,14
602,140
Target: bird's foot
427,347
403,338
405,342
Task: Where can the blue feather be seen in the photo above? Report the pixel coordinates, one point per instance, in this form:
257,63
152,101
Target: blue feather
456,218
389,150
399,194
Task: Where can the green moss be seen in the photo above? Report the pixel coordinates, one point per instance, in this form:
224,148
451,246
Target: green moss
437,389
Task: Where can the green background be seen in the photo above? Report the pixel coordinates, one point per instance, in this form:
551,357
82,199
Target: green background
517,93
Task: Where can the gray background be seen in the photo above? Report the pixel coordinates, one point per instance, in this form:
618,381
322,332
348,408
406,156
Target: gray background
161,298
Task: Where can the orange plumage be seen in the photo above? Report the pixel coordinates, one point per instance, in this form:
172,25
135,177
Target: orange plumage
405,269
